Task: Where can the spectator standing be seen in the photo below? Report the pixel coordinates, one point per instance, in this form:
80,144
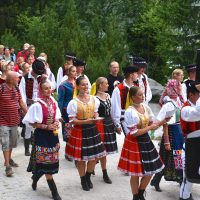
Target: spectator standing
114,78
10,100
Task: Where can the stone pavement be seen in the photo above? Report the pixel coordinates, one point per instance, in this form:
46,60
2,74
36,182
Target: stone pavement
18,187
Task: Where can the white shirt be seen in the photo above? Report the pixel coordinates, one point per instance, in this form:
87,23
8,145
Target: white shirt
22,87
148,89
167,107
72,106
132,119
116,105
34,114
59,77
191,113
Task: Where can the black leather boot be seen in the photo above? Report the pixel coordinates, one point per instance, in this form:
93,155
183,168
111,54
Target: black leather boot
84,183
88,180
156,181
106,177
141,194
26,145
53,188
136,197
35,178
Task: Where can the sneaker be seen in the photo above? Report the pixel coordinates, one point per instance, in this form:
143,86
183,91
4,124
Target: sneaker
13,163
9,171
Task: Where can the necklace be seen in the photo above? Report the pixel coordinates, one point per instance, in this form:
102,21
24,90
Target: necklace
100,92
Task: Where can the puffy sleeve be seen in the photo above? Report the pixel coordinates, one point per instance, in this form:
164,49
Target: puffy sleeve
34,114
167,107
150,113
58,113
97,104
72,109
131,120
116,106
191,114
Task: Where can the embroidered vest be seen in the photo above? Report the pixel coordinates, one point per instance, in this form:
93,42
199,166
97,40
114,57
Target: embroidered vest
188,127
123,94
144,119
29,86
85,110
47,117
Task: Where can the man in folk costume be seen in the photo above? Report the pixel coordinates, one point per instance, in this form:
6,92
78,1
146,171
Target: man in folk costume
69,58
190,122
29,91
120,97
191,71
142,80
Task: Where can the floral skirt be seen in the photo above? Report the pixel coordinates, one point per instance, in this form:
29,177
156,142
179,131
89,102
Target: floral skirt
172,159
45,153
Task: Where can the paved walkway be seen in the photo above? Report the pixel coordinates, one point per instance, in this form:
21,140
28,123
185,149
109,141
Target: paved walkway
18,187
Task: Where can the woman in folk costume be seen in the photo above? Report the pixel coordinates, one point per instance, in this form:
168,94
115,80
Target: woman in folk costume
173,88
106,126
172,139
139,157
84,144
171,144
120,96
43,116
65,95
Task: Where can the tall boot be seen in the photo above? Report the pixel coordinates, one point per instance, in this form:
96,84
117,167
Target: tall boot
26,145
84,183
53,189
106,177
35,178
136,197
156,181
89,182
141,194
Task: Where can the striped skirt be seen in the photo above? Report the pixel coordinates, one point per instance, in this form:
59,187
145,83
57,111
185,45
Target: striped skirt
139,156
85,143
107,132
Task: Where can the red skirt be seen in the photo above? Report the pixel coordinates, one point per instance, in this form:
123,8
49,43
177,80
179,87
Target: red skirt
130,160
139,156
85,143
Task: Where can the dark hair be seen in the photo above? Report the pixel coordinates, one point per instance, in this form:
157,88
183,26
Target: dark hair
191,87
133,91
79,79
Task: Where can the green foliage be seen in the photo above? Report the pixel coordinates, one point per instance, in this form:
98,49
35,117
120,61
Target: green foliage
165,33
9,38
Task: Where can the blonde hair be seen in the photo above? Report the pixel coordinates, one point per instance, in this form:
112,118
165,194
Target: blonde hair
99,81
69,68
6,67
176,72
